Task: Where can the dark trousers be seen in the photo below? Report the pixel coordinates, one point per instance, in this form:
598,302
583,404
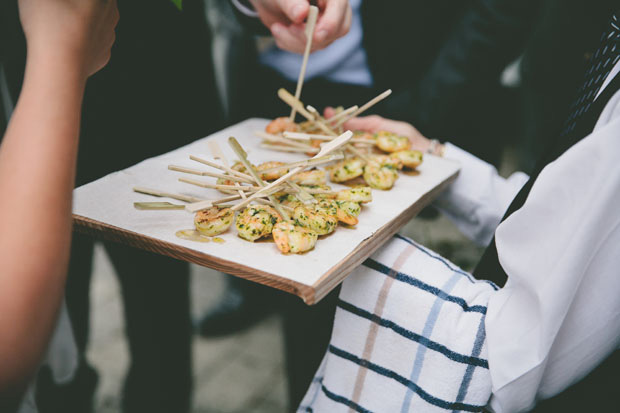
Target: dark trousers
307,330
155,292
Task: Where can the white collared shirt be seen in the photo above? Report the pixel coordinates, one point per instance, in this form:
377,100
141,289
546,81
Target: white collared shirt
558,315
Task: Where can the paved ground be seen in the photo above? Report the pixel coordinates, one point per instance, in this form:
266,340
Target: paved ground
252,360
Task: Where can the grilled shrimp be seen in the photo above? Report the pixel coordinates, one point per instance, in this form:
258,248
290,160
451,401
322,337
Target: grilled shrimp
390,142
380,176
256,221
293,238
388,160
360,194
346,170
316,190
315,220
287,199
213,221
281,124
343,211
348,211
312,177
410,159
273,175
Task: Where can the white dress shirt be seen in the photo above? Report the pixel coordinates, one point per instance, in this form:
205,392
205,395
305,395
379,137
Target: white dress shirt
558,315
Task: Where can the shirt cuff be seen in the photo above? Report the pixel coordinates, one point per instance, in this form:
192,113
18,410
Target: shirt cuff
245,7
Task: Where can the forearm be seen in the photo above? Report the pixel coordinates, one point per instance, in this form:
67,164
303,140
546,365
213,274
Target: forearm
37,169
479,197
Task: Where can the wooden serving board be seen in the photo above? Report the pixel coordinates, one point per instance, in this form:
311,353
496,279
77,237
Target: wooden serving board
104,209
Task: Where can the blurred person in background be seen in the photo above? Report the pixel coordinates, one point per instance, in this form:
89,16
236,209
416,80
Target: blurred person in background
67,43
156,94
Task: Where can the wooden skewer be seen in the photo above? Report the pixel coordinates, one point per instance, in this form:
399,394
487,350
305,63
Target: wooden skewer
307,162
217,153
243,157
283,148
221,167
325,150
308,136
206,204
211,174
296,104
267,202
342,114
279,139
157,206
162,194
220,187
365,107
316,113
313,13
302,194
357,152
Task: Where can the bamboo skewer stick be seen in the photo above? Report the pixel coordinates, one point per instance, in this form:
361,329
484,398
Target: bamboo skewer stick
220,187
280,139
308,136
146,206
307,162
294,102
302,194
243,157
206,204
221,167
217,153
342,114
211,174
162,194
325,150
313,13
299,107
283,148
365,107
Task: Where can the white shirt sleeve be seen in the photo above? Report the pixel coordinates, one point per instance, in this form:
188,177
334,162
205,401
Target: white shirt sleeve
478,199
559,314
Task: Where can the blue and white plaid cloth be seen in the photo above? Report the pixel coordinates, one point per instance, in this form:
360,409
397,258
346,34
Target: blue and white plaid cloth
408,336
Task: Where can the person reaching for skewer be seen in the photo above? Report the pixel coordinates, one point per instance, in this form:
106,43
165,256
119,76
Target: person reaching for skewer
67,42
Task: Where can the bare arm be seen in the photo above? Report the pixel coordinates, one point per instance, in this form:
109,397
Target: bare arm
67,41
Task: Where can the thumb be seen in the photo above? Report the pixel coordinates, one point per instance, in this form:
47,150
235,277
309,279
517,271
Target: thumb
328,112
295,10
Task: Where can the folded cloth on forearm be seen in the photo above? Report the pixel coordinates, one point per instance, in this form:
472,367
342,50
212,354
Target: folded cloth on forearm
408,335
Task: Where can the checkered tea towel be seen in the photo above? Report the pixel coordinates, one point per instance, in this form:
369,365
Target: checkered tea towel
408,336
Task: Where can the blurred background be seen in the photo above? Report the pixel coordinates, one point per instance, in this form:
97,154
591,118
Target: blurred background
495,77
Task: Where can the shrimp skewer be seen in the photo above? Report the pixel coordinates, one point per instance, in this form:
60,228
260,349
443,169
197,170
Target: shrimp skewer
281,124
409,158
360,194
380,175
346,170
390,142
256,221
293,238
312,177
315,219
213,221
